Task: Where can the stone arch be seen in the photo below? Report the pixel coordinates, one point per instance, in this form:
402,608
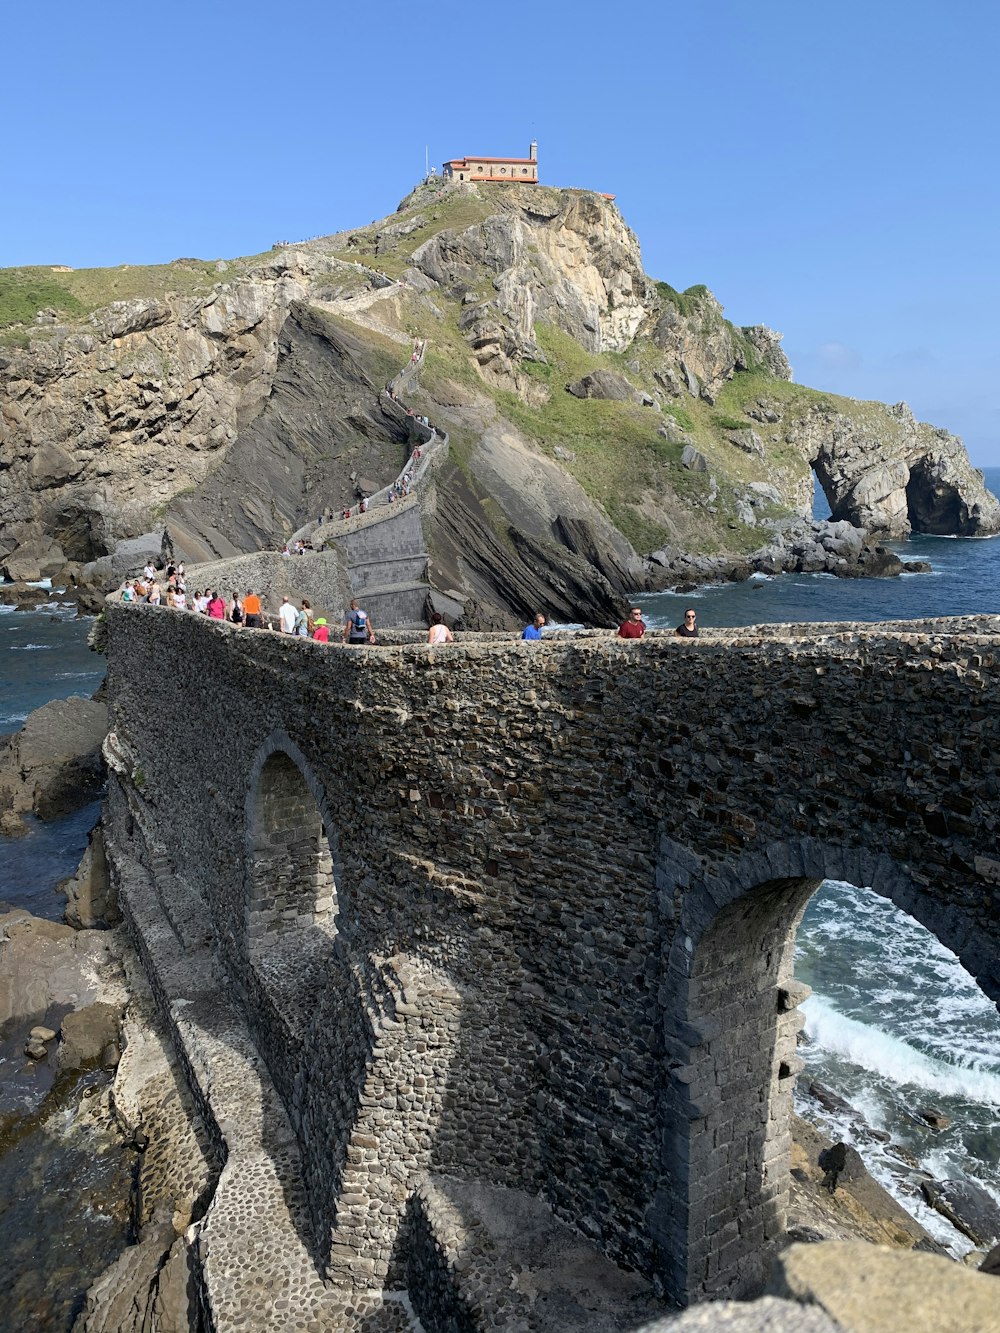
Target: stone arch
731,1018
291,853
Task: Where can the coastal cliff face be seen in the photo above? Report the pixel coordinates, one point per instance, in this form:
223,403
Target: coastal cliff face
597,418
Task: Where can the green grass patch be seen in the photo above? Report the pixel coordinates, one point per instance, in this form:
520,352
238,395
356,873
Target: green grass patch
73,295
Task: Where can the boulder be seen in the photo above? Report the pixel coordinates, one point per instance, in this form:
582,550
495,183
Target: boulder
53,765
44,964
991,1264
693,460
967,1206
127,559
748,440
86,1034
874,1289
605,384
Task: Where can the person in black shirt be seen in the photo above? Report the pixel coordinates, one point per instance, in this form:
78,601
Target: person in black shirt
689,629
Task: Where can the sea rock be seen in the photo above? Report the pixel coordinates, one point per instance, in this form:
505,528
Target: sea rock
44,964
90,899
86,1034
53,765
933,1117
967,1206
874,1289
991,1264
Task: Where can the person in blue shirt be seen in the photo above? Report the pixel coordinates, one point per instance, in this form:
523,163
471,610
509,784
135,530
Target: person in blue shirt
534,630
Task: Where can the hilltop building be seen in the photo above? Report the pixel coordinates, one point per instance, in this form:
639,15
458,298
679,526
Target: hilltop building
502,170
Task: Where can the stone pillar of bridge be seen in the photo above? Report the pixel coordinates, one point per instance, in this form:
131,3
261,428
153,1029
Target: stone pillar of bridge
731,1022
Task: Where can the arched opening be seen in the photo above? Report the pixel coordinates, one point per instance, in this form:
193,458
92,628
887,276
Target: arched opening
933,504
902,1057
292,883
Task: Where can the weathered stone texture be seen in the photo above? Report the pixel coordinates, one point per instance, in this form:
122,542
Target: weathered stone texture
555,951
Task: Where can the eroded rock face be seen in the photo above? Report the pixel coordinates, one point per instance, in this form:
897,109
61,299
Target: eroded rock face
565,257
883,470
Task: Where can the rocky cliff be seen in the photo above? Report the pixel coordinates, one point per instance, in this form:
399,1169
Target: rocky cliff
607,432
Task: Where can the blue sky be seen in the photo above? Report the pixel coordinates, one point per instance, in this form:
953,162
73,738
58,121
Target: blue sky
827,170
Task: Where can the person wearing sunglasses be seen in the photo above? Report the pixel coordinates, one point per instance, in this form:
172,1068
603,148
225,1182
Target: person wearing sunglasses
689,629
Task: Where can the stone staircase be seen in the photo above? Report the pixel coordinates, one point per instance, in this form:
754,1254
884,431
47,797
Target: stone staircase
386,556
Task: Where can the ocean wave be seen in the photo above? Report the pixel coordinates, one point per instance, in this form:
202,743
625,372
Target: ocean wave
893,1058
31,647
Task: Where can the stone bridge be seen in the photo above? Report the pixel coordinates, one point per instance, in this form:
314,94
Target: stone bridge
521,917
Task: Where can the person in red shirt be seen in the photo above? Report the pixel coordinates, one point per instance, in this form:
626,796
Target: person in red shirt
321,633
634,627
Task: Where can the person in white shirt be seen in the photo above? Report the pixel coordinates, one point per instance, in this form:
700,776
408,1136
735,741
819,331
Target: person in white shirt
439,631
287,616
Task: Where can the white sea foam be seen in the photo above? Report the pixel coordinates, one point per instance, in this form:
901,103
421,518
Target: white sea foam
31,647
893,1058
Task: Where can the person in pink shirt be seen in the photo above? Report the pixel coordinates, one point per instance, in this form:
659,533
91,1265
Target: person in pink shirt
322,631
216,607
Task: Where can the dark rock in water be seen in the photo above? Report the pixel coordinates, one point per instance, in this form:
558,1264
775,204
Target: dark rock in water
829,1099
904,1155
917,567
22,595
991,1264
968,1207
931,1116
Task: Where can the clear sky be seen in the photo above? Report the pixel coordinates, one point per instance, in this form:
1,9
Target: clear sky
829,170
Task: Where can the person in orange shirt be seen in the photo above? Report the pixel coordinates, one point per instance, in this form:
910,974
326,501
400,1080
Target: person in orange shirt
251,610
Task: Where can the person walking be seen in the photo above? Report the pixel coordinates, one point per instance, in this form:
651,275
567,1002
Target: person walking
321,633
358,627
286,616
534,630
439,631
303,620
251,610
633,627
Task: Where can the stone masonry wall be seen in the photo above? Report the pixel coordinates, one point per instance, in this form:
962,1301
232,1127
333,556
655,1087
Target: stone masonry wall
567,880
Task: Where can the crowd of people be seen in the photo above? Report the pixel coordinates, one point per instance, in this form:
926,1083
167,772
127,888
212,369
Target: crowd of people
299,621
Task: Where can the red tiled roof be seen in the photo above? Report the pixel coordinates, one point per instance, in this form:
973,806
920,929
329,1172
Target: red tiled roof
461,161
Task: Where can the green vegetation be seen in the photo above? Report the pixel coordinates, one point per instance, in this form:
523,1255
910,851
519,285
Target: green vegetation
686,303
390,254
74,294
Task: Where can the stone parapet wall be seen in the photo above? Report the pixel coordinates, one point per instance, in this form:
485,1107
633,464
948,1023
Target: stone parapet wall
590,855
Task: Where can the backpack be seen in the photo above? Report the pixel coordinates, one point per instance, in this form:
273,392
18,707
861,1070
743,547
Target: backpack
359,625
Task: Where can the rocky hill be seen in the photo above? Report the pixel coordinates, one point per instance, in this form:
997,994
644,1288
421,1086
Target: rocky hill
606,432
